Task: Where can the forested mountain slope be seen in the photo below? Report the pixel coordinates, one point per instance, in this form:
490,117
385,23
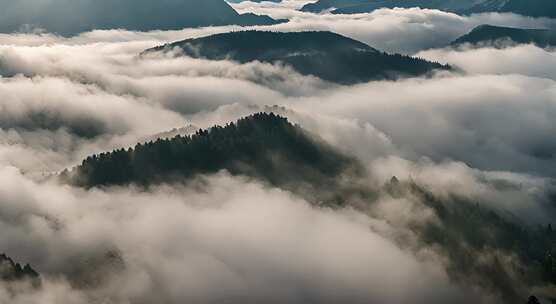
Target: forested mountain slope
490,35
263,146
327,55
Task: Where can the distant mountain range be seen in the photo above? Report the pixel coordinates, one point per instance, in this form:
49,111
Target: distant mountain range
327,55
362,6
70,17
447,5
500,36
532,8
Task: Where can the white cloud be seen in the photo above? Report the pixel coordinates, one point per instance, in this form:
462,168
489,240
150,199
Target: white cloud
228,240
461,134
526,60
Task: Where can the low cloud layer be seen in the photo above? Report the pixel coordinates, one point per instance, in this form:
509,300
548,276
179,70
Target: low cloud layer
229,240
528,60
394,30
483,133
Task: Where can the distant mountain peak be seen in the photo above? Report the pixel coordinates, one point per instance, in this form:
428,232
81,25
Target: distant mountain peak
498,36
71,17
278,41
531,8
324,54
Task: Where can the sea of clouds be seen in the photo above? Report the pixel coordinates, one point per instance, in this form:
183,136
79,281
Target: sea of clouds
226,239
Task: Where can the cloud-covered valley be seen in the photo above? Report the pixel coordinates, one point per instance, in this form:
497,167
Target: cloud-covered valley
482,133
186,244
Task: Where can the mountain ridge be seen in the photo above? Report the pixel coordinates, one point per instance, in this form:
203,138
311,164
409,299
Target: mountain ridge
499,36
327,55
530,8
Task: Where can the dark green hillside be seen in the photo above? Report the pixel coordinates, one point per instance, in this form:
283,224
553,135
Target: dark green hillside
326,55
264,146
488,34
478,241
